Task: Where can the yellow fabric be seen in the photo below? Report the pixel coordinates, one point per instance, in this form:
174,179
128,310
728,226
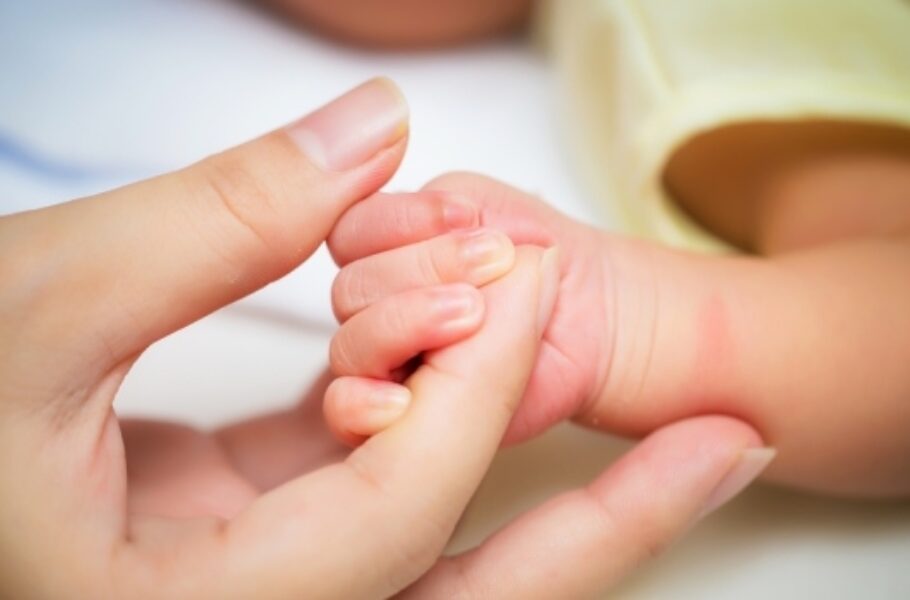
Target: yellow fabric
644,76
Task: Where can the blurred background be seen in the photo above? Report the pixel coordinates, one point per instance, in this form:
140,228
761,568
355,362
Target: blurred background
97,93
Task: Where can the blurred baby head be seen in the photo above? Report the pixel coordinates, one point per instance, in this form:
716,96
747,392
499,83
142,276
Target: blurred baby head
407,23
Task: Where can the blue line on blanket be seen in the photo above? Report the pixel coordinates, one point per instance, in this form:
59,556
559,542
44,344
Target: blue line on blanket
21,156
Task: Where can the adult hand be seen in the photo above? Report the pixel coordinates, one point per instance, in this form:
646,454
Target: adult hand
585,542
95,510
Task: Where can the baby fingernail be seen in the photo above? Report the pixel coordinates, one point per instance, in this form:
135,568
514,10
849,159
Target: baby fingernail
458,213
486,255
751,463
457,305
549,287
383,406
351,129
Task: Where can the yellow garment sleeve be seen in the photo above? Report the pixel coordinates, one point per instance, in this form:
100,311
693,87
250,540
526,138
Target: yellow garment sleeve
643,77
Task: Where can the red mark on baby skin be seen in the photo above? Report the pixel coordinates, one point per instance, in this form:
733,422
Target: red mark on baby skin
714,384
714,355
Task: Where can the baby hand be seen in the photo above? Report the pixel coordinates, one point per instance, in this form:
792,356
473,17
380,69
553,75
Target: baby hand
395,306
391,243
643,335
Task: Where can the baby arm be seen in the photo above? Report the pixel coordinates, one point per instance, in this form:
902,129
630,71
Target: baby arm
810,347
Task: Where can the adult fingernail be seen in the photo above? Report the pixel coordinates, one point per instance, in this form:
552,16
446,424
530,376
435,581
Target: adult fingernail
456,306
351,129
486,254
549,287
751,463
459,213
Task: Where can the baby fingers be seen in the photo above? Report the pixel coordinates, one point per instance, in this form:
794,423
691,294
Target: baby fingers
378,340
476,256
356,408
386,221
387,334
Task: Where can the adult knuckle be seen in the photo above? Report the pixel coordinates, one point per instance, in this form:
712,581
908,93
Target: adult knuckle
608,521
646,536
409,558
416,548
27,256
412,548
655,539
233,182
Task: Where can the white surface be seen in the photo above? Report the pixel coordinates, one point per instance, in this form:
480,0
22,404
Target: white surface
99,92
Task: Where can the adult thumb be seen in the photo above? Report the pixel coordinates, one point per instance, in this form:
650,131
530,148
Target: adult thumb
129,266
